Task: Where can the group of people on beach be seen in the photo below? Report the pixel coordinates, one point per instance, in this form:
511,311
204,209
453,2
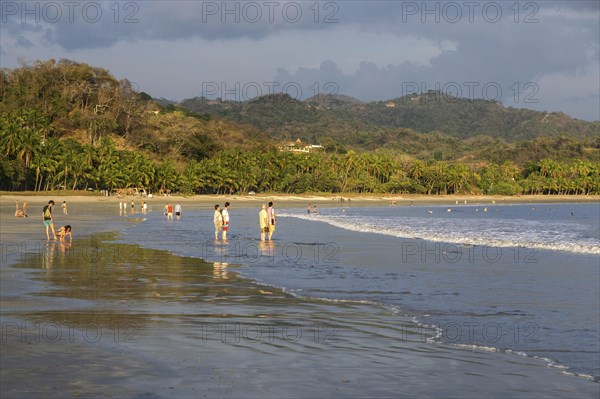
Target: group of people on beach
169,211
48,221
221,221
143,206
267,219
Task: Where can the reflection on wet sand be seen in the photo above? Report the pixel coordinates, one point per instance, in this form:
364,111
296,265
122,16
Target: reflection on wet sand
55,251
220,270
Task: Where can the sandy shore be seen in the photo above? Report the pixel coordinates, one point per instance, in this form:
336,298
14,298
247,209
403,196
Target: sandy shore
290,200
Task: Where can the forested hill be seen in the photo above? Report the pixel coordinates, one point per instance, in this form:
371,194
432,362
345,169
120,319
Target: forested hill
69,125
350,121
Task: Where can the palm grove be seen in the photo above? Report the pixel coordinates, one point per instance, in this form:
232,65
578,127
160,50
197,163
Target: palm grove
67,125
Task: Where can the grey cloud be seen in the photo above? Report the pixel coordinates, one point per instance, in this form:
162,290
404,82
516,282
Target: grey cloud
174,20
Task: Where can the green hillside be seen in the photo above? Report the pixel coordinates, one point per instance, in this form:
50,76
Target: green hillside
350,121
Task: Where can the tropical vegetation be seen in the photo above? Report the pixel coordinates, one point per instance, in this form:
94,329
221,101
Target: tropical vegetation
66,125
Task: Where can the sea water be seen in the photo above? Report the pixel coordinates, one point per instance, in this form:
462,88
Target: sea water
521,278
516,278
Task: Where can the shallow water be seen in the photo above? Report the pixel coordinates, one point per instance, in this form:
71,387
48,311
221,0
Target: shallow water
136,321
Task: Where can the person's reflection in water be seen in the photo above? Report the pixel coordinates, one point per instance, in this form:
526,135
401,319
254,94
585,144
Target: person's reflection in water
65,246
48,255
220,270
267,249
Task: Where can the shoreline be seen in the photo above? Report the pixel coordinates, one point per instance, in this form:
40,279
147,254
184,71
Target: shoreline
303,199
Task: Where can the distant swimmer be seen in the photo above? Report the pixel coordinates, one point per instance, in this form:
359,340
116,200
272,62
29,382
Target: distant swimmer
449,210
572,214
429,211
485,209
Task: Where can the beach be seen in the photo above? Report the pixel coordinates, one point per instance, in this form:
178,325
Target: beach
298,200
138,306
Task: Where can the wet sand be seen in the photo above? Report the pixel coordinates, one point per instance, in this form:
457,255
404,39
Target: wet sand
102,318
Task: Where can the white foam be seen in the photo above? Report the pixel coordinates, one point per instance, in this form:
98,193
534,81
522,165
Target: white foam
544,235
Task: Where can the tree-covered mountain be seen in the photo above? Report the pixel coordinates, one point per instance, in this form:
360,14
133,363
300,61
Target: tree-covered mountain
355,123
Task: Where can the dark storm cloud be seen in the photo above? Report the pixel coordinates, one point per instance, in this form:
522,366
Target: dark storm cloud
503,56
99,24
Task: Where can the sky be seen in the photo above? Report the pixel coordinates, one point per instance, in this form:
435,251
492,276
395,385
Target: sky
542,55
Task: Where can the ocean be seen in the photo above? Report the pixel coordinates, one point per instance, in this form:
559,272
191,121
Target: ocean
514,278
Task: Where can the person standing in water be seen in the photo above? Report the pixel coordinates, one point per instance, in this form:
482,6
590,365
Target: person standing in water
263,218
272,219
47,218
178,210
218,221
225,214
64,208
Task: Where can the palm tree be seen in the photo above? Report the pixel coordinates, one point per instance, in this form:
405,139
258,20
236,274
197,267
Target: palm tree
30,143
46,162
10,136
